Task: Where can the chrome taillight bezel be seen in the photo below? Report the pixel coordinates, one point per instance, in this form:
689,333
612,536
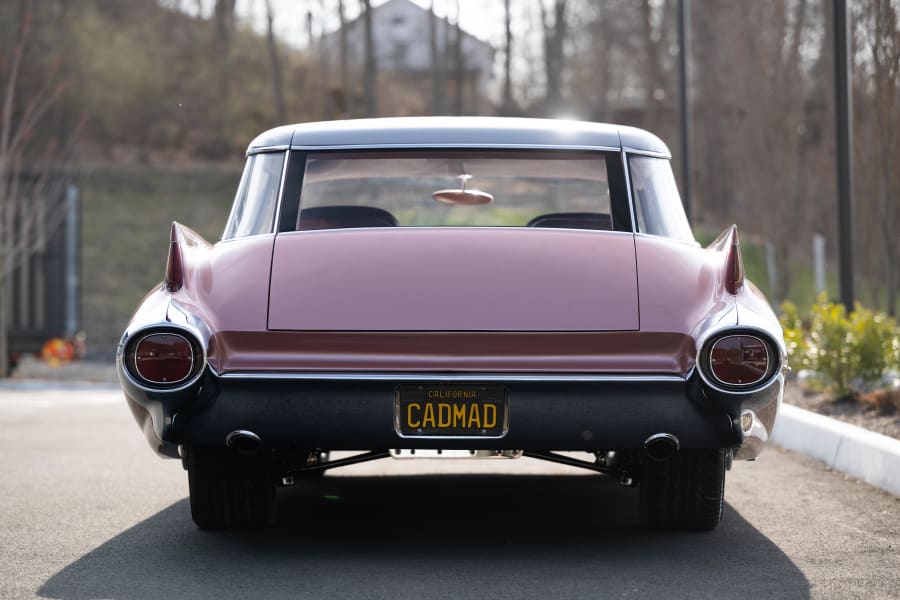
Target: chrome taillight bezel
198,358
773,360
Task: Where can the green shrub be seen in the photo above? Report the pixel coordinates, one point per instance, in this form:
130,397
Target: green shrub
847,353
794,336
874,338
831,353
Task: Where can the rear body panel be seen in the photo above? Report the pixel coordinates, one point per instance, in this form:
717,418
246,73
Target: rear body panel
452,352
454,279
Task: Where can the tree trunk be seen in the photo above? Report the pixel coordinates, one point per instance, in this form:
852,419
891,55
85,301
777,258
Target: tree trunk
437,64
654,79
8,135
884,49
554,59
347,107
223,14
371,75
460,71
507,107
275,65
326,84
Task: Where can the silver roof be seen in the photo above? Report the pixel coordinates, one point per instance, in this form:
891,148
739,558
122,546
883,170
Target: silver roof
460,132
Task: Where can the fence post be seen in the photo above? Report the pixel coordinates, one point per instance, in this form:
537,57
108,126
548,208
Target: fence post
819,261
73,272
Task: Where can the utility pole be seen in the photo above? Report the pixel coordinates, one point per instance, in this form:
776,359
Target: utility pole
684,80
844,136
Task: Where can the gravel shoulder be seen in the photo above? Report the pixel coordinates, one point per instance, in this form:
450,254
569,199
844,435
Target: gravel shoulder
844,409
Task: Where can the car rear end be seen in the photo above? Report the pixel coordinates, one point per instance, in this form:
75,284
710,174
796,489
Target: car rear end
468,300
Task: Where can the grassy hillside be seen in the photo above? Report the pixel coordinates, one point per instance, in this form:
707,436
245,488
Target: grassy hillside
127,213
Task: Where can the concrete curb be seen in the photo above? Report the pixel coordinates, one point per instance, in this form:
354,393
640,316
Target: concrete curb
863,454
41,385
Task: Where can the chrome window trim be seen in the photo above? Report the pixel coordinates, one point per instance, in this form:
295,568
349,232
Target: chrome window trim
649,153
453,377
646,153
263,149
279,200
631,206
466,227
458,146
245,173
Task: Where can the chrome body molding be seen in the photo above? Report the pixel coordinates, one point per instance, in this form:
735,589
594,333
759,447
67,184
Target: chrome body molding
427,377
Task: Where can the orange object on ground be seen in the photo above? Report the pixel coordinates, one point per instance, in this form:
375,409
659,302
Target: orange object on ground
57,351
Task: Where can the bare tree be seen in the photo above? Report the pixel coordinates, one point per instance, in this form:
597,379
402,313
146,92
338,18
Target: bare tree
23,222
371,65
274,64
223,16
437,63
507,107
459,64
348,93
554,57
881,92
654,42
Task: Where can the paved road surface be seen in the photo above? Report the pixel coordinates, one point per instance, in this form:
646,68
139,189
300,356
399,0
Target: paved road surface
87,511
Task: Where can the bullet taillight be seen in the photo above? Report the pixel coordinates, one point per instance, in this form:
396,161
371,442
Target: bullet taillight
740,360
164,358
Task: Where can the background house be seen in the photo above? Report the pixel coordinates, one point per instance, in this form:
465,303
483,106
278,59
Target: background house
402,33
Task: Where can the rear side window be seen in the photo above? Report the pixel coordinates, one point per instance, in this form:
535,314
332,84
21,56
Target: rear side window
456,188
657,204
257,196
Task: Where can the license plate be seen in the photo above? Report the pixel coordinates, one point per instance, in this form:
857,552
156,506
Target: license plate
442,410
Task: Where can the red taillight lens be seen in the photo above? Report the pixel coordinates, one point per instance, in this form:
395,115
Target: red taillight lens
739,360
164,358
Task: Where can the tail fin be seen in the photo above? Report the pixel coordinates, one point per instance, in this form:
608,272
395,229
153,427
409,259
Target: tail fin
729,246
175,263
181,238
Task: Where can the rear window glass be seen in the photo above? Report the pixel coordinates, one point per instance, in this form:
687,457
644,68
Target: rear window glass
257,196
455,189
657,204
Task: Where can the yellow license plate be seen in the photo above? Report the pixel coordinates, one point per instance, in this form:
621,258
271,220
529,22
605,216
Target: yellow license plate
451,410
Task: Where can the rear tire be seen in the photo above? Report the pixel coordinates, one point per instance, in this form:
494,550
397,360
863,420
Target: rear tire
684,492
228,490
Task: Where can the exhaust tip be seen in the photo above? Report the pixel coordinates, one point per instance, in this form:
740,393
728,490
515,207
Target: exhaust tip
661,446
243,441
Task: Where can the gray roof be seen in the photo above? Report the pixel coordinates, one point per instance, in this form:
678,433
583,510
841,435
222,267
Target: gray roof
461,132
